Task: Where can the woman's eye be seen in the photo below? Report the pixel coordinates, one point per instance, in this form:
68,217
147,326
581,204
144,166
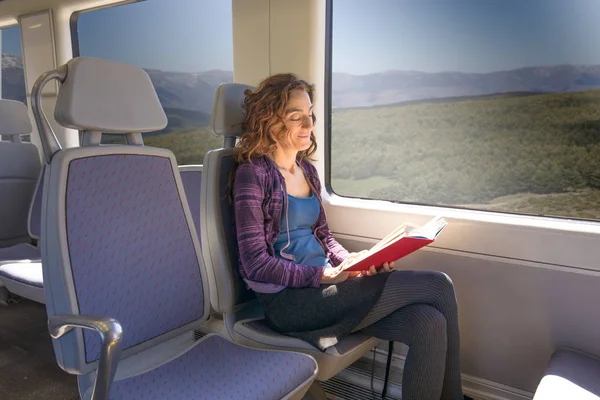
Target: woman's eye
299,118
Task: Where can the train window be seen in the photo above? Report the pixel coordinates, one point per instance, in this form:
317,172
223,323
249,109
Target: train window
186,46
481,105
13,77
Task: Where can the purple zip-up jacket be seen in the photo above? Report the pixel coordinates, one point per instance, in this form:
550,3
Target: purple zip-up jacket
259,197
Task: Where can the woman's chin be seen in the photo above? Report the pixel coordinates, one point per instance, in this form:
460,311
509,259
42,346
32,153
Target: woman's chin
303,144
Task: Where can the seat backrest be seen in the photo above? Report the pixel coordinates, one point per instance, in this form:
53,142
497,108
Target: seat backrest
19,171
191,176
219,244
117,233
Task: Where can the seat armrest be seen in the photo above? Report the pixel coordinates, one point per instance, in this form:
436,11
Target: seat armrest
111,334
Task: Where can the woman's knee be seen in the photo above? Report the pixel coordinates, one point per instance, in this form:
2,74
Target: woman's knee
441,277
441,280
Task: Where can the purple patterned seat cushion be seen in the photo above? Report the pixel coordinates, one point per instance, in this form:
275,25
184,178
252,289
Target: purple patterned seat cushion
23,272
130,247
218,369
20,252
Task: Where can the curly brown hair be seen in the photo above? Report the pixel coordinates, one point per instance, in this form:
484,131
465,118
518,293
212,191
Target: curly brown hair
264,110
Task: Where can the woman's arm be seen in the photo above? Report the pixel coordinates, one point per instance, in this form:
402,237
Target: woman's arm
337,252
257,264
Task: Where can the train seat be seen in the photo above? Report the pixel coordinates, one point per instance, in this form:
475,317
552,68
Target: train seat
125,282
19,252
20,265
19,172
28,252
242,316
570,375
20,177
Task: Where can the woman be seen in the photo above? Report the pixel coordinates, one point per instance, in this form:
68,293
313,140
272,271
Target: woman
290,259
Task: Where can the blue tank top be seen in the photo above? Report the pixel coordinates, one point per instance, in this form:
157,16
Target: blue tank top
304,246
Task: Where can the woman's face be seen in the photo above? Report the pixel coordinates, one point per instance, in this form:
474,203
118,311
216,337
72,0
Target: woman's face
298,121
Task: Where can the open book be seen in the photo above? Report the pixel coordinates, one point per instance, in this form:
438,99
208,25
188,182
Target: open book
399,243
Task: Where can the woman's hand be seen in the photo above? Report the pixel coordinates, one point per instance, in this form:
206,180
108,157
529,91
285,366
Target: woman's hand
387,267
334,275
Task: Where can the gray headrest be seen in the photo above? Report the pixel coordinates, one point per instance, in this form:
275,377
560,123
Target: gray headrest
228,112
14,120
110,97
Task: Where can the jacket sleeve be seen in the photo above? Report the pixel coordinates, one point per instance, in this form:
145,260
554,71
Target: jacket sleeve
257,264
337,252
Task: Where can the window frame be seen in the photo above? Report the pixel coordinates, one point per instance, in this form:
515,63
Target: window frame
564,222
74,20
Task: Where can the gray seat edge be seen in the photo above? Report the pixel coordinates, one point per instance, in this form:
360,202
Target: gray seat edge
24,290
579,373
345,346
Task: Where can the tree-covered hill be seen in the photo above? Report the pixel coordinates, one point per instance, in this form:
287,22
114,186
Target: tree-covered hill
471,151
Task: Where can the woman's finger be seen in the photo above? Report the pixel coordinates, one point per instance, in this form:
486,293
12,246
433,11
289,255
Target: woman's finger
373,270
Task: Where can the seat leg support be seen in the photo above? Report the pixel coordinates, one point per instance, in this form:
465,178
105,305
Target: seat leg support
387,369
315,392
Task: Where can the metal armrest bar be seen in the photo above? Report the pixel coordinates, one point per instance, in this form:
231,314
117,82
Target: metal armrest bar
111,334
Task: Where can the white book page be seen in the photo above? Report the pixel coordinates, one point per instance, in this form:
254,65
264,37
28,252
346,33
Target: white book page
430,230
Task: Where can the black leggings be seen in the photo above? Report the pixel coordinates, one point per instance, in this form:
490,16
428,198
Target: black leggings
418,308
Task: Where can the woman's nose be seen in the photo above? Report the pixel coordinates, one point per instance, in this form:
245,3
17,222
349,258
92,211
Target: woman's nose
307,122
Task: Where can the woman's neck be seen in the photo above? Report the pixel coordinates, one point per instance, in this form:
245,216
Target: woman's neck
285,159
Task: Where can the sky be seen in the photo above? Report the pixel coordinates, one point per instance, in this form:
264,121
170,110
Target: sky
11,41
463,35
368,35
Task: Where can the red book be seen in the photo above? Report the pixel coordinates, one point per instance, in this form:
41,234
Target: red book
403,241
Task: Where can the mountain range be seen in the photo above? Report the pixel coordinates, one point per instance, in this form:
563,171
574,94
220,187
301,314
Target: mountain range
195,91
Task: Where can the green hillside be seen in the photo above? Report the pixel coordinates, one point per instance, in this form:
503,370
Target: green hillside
189,144
475,152
187,135
180,119
534,154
